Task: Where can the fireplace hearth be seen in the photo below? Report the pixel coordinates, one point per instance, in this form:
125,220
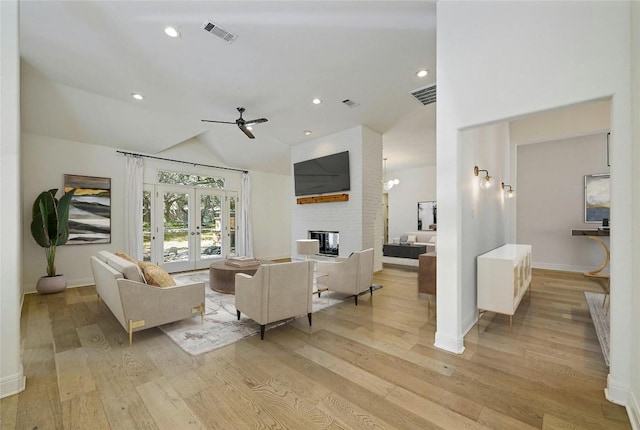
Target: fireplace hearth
329,242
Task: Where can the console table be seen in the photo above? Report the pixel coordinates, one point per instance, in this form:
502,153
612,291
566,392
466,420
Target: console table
504,275
595,234
403,251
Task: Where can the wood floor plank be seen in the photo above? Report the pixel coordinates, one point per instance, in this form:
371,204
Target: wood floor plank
431,411
496,420
74,376
122,404
84,411
340,367
371,366
8,412
166,406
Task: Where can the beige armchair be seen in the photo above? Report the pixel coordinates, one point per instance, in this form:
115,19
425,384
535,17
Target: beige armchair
352,275
275,292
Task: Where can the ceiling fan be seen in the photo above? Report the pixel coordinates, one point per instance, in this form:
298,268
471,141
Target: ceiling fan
241,123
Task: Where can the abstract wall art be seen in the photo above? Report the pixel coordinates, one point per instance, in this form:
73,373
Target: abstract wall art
597,197
90,212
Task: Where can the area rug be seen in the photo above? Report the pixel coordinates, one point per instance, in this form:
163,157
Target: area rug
600,317
221,326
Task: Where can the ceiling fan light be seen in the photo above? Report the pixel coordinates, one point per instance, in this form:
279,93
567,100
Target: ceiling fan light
171,32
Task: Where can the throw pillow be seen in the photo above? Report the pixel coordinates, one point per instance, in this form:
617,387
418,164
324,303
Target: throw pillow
127,257
156,275
411,239
403,238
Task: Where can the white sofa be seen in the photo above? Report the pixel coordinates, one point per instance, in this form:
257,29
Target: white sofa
352,275
275,292
136,305
424,237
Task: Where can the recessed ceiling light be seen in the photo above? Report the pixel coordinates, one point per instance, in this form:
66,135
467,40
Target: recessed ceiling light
316,101
307,132
171,32
422,73
137,96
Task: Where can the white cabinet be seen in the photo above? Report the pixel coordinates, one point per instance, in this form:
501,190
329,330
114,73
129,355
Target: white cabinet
504,274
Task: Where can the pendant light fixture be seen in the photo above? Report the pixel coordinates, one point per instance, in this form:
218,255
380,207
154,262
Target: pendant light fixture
388,184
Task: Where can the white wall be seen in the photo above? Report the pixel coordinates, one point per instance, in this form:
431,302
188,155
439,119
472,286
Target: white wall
51,158
271,215
634,332
485,212
582,119
416,185
550,201
358,220
505,68
12,378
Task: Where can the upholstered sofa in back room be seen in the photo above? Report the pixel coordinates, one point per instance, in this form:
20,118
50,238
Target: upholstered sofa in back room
138,305
426,237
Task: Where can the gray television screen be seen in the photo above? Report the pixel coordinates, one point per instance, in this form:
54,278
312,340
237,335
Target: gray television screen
329,174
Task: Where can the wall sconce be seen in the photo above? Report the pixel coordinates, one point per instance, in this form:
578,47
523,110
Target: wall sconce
509,191
485,182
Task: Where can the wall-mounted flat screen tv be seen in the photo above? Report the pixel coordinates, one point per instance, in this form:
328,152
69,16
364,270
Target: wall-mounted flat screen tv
329,174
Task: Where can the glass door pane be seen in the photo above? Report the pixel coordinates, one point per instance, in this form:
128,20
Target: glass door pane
209,228
176,237
146,224
232,223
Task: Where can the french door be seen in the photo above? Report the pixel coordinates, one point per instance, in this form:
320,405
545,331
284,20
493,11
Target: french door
193,226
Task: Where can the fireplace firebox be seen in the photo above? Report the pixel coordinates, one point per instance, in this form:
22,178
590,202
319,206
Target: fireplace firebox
329,242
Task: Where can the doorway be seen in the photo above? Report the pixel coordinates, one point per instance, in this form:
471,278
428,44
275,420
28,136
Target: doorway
187,228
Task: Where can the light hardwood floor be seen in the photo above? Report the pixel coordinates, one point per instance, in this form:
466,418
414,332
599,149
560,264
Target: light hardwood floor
371,366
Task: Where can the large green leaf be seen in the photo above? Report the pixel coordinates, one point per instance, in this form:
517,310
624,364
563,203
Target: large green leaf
50,223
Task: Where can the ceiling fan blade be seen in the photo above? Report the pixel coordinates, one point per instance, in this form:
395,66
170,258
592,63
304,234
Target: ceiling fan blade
245,131
219,122
256,121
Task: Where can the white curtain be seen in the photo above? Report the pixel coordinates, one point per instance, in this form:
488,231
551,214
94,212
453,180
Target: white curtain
133,189
245,246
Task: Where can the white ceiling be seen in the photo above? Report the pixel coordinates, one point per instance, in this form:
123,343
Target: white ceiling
83,59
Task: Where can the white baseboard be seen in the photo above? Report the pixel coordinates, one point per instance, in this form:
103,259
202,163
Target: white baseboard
449,343
12,384
633,410
617,393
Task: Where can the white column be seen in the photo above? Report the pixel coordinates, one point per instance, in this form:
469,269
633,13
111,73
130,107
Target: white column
12,378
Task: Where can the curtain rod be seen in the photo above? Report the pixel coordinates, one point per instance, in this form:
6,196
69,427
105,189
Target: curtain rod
183,162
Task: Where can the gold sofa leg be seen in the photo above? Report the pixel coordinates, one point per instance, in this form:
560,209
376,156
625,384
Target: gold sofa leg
200,310
133,325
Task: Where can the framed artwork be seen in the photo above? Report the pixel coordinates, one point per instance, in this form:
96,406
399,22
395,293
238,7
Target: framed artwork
597,197
427,215
90,211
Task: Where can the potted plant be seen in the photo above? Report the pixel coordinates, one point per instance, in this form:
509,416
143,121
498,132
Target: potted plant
50,229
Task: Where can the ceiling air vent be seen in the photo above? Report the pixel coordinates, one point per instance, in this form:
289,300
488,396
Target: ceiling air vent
426,95
350,103
216,30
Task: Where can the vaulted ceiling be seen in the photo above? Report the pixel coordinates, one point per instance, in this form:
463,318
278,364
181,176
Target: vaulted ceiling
82,60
